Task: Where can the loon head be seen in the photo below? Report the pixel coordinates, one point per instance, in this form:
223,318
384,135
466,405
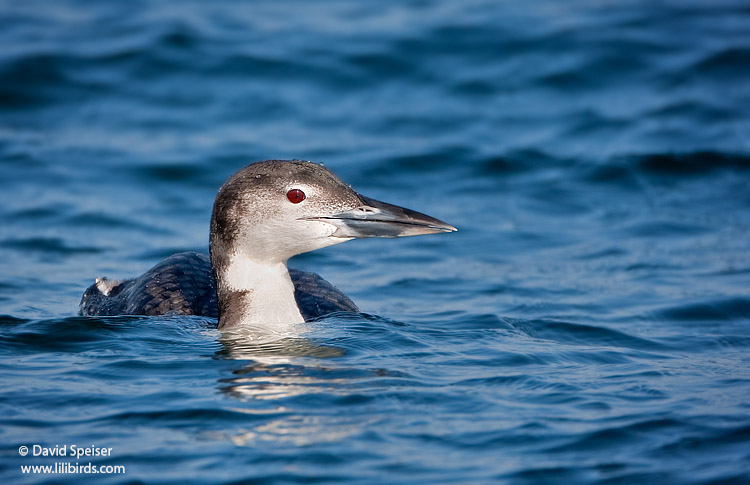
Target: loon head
270,211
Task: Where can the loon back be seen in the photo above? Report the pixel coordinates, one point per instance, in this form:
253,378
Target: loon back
184,284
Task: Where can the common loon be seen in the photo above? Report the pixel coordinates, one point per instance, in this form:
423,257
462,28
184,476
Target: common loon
264,214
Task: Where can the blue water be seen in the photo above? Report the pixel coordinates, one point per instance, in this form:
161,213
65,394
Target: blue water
589,322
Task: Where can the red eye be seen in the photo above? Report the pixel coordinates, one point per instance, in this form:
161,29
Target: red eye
295,196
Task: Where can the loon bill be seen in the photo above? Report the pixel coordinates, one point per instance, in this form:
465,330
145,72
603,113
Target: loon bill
263,215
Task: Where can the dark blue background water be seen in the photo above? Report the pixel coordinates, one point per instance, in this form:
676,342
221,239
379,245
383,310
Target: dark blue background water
587,324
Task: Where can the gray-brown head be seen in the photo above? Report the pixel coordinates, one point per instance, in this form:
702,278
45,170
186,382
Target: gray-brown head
270,211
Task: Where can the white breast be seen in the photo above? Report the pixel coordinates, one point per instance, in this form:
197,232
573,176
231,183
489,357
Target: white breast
268,293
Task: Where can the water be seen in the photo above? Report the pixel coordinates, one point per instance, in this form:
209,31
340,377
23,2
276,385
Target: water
587,324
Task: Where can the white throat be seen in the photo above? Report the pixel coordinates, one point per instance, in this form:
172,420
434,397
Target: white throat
265,293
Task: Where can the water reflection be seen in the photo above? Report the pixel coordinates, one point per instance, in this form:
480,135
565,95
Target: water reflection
272,347
273,366
300,430
281,383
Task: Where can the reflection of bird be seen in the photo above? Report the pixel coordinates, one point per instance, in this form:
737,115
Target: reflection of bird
263,215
